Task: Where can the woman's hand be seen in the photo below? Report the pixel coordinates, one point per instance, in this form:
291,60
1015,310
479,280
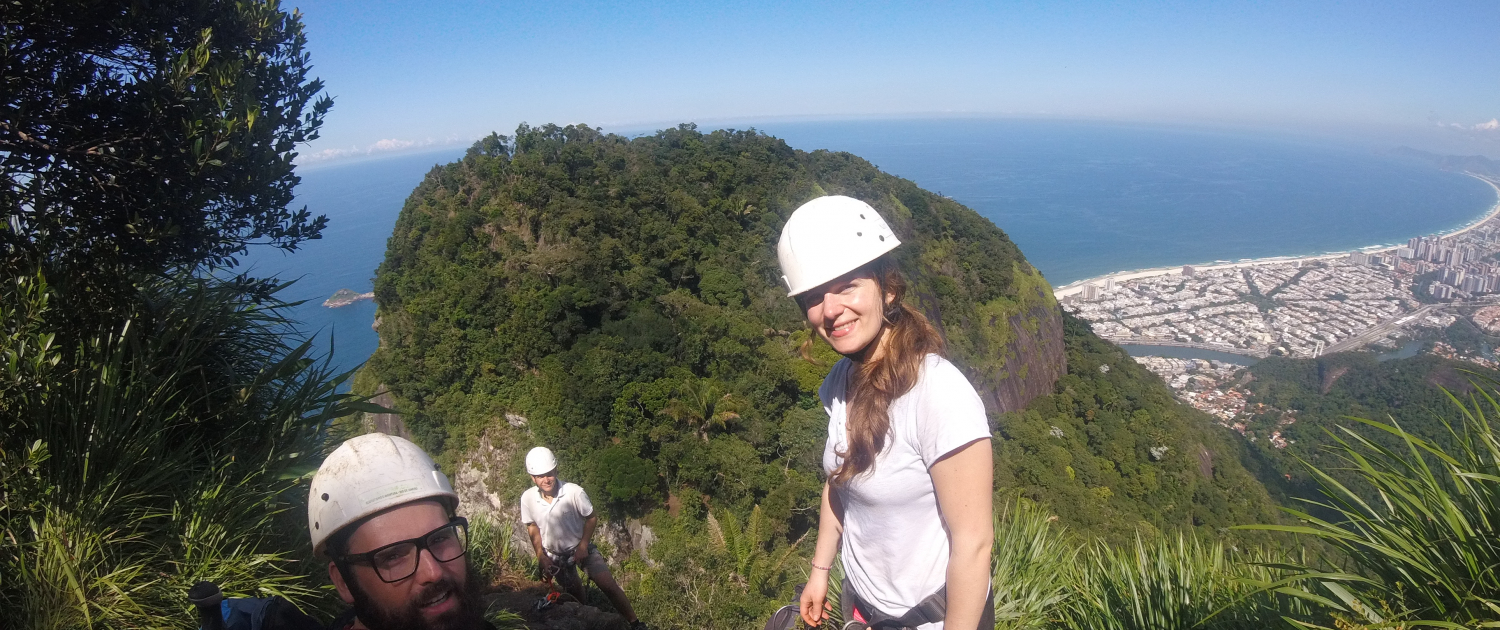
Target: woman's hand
830,528
815,598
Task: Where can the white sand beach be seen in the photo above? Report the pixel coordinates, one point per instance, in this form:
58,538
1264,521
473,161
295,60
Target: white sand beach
1121,276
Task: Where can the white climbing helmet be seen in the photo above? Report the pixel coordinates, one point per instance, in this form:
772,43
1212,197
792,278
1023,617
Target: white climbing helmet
829,237
540,461
368,474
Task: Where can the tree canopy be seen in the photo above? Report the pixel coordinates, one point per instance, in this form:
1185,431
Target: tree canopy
156,415
142,137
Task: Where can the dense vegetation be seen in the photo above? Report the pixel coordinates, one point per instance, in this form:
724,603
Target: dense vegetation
148,136
156,410
1417,526
1112,452
618,300
139,459
1307,400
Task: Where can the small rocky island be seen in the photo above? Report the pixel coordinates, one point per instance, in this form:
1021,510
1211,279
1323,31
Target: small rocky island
345,297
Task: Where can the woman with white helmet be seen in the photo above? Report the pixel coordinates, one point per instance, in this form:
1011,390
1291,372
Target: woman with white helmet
908,497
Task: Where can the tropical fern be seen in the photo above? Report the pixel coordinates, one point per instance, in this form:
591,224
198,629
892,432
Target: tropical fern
749,550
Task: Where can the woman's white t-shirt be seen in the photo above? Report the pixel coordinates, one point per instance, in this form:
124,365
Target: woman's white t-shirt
895,544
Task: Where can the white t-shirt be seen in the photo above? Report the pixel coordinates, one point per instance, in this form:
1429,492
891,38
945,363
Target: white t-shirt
561,521
895,544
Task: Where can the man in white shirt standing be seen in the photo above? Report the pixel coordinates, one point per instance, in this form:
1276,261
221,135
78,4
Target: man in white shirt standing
561,521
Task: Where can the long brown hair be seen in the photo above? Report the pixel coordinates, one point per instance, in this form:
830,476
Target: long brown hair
877,382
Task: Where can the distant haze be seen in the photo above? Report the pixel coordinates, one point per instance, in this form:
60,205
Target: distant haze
408,76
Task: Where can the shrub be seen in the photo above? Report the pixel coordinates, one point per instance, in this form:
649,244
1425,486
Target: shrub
143,457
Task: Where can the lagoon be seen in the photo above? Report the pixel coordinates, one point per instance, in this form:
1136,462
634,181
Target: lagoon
1181,352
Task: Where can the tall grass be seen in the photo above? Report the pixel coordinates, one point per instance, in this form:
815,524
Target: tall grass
1034,567
1421,533
1179,582
495,552
165,447
1048,577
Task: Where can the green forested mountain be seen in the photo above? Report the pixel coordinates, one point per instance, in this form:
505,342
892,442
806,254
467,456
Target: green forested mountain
1114,453
1308,400
622,297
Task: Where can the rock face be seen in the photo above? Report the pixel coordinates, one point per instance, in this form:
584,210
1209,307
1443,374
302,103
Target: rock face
483,493
1014,353
1039,360
387,423
567,615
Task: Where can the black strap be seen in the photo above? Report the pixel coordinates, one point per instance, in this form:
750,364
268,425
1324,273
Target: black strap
931,609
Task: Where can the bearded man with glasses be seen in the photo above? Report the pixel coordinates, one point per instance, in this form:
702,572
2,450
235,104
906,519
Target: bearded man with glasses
382,515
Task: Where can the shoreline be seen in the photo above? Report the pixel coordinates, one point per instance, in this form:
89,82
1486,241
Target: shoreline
1076,287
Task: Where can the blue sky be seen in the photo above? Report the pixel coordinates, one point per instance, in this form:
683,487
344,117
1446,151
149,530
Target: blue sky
409,75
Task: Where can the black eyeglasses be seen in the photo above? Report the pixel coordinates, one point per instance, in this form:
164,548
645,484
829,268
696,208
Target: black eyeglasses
398,560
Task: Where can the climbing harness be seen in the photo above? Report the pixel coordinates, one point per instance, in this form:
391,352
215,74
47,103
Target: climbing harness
861,615
554,595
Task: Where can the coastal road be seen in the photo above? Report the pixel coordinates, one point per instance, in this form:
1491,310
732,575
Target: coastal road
1380,330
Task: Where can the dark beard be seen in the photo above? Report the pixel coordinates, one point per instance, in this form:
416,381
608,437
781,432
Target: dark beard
467,616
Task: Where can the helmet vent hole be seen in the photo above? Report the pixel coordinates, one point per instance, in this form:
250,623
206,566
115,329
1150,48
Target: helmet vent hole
882,239
859,233
325,496
861,216
315,525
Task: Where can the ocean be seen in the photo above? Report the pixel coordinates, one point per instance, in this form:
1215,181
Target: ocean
361,201
1081,199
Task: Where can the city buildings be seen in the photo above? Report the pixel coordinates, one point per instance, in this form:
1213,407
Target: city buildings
1294,307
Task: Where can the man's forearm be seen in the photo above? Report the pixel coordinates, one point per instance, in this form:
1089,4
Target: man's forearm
536,540
588,531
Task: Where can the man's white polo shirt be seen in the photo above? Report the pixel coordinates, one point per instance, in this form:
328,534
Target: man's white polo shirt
561,521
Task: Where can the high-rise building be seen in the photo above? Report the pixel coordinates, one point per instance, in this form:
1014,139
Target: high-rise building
1188,270
1090,291
1424,249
